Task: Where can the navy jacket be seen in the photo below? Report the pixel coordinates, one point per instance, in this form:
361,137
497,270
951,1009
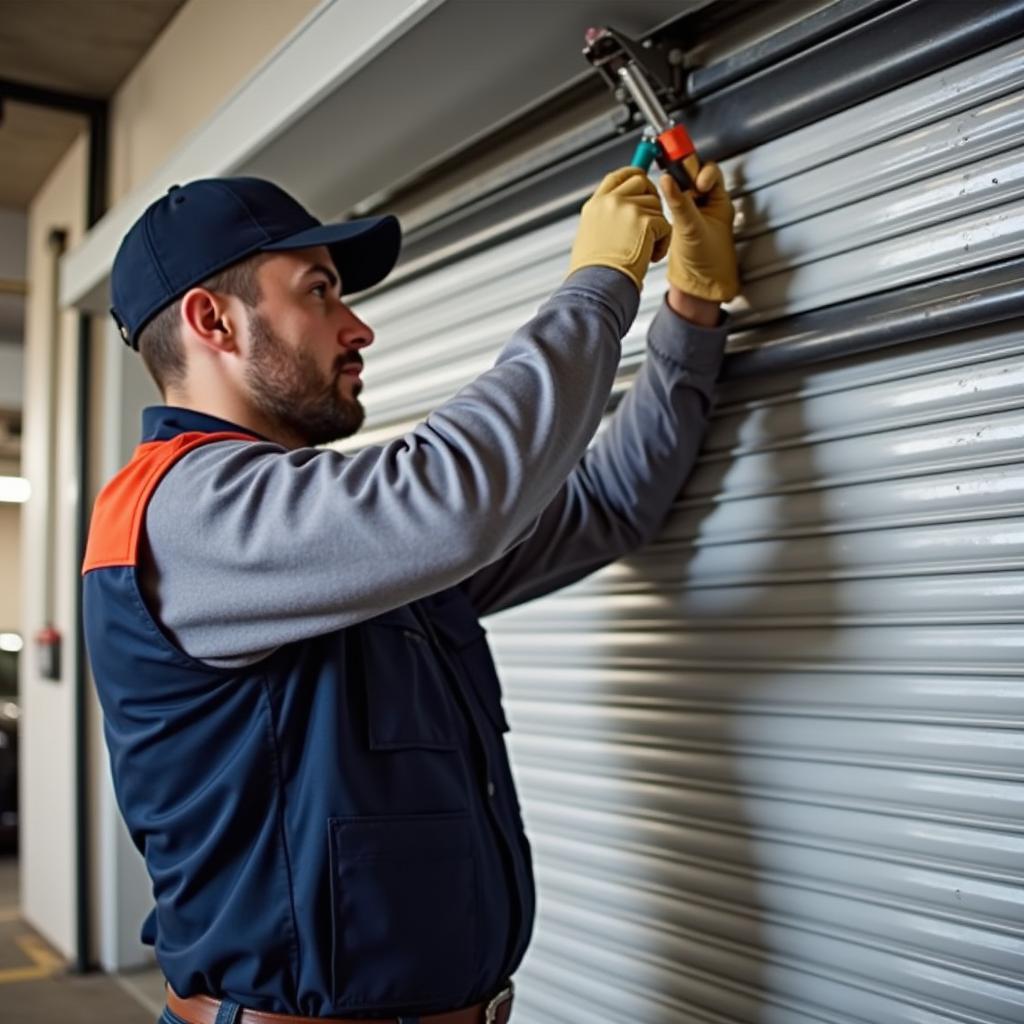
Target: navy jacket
354,797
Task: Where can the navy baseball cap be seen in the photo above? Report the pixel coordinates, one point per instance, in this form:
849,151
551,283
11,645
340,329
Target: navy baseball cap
200,228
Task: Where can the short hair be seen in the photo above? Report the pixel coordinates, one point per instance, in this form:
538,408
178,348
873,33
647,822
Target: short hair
160,340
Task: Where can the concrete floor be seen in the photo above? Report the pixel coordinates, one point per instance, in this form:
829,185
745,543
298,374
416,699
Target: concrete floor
37,988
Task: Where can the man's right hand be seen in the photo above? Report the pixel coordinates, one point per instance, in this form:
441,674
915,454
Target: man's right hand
702,262
622,226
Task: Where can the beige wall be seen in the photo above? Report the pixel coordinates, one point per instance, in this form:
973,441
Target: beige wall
201,57
209,48
10,568
47,731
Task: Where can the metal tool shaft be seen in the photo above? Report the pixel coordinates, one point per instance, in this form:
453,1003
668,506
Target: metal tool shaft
645,99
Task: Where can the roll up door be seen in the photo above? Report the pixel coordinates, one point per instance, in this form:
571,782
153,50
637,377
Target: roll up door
771,764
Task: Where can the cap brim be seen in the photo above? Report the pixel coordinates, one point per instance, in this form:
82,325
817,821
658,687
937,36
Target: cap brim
364,251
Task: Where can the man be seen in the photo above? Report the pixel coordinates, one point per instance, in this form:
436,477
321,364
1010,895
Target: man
304,721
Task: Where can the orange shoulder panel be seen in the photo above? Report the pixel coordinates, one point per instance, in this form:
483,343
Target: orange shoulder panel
117,515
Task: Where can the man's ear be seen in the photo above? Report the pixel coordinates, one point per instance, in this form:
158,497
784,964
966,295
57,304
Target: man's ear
211,318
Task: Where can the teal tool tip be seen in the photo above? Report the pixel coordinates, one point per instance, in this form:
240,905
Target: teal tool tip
644,154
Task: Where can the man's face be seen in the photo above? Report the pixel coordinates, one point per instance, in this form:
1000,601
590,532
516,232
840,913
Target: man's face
304,362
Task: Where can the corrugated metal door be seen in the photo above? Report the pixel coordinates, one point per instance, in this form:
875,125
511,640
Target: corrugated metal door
771,765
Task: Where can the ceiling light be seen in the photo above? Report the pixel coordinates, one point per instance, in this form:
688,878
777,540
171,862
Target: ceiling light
14,488
10,642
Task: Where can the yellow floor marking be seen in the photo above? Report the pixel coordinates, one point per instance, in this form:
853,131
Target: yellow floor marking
45,961
38,952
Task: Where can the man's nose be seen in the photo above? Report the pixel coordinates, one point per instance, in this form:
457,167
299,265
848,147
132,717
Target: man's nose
353,332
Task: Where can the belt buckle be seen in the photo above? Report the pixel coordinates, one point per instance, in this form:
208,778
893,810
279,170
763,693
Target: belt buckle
504,996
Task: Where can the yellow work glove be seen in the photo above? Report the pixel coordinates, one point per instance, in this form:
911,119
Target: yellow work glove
702,257
622,226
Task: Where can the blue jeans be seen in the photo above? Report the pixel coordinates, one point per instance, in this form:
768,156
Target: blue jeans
226,1014
230,1010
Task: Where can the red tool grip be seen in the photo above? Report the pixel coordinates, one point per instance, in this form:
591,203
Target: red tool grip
676,143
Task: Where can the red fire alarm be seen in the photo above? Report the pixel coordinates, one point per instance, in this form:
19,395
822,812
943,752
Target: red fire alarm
48,641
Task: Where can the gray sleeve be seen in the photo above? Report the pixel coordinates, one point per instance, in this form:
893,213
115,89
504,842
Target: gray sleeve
618,496
249,546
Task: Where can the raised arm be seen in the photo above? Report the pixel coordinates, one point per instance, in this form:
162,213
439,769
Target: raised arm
251,546
620,493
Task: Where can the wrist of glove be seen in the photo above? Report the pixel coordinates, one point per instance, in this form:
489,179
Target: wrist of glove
622,226
702,257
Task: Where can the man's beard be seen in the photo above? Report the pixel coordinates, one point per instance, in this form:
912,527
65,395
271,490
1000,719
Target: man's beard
288,388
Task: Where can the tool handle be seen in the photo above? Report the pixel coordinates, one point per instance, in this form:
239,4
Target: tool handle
645,153
677,171
678,156
649,150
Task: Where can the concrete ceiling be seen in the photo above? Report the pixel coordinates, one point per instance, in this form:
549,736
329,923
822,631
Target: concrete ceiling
85,47
32,140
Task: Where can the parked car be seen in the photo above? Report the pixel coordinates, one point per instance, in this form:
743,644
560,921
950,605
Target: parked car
9,713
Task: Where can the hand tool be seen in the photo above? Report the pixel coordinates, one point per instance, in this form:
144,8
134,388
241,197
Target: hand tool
639,73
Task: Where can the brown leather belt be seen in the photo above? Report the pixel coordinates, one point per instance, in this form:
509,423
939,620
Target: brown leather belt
203,1010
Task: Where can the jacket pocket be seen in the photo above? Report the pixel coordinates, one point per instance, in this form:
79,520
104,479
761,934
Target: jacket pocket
403,911
455,621
407,695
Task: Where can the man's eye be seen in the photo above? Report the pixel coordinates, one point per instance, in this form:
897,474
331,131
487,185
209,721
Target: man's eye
320,290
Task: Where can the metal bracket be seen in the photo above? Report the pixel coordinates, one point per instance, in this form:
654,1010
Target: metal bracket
662,62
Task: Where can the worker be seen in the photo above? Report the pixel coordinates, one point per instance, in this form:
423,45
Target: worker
303,717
